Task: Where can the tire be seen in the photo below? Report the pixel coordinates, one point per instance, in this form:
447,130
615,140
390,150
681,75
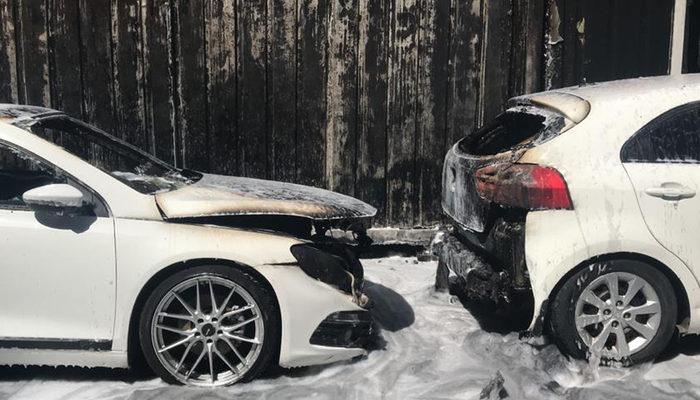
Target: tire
207,333
616,322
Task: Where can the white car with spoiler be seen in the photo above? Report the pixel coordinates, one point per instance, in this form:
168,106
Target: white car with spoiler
586,199
110,256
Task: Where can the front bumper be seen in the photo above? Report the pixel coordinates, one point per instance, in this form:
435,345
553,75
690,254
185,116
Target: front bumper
348,329
492,265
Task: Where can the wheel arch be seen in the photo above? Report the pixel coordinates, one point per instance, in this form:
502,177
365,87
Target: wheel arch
134,351
680,292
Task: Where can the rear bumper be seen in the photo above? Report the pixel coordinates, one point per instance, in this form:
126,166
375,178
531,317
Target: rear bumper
492,265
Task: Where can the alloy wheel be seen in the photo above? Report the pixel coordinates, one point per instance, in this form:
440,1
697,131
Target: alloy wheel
207,331
617,315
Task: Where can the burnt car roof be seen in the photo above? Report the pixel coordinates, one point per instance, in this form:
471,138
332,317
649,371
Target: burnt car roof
14,112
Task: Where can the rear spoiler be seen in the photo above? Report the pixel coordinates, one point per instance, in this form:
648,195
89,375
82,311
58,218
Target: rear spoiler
570,106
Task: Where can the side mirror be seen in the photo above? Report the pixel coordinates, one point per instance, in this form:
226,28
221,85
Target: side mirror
55,197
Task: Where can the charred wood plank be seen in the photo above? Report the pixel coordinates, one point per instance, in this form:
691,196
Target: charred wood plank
159,77
252,87
341,96
64,56
372,88
32,24
96,62
464,69
311,90
8,52
401,133
433,58
128,73
224,137
282,27
190,89
496,58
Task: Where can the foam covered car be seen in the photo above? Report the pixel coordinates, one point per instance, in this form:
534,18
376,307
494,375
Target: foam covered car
585,199
112,256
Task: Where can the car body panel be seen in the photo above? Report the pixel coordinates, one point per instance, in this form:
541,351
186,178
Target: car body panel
217,195
606,219
46,290
146,244
147,247
607,211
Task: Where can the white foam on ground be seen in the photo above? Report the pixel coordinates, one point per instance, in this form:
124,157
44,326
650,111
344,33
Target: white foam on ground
435,349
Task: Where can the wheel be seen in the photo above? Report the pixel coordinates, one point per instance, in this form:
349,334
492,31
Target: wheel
621,311
209,326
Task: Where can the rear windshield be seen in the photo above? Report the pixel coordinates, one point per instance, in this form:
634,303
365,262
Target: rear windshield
517,127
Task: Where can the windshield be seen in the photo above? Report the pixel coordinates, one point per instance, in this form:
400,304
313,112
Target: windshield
132,166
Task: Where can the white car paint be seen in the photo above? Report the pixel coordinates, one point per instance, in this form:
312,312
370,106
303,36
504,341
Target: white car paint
613,211
84,285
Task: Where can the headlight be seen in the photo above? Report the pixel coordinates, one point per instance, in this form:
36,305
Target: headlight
331,263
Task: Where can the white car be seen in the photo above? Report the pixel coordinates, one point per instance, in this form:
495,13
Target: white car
587,198
111,255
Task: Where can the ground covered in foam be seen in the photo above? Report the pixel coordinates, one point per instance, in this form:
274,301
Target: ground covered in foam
432,346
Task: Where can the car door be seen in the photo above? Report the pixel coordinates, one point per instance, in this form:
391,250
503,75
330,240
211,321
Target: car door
663,163
57,270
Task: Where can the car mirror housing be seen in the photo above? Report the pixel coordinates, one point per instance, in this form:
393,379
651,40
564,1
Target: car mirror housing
55,197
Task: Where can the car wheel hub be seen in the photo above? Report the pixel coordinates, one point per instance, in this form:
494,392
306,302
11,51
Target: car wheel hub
207,331
617,315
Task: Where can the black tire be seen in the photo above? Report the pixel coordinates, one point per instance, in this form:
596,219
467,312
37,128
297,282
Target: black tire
262,295
563,308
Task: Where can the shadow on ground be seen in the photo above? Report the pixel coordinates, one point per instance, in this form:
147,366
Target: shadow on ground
503,317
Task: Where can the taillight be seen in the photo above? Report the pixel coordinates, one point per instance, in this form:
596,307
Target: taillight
528,186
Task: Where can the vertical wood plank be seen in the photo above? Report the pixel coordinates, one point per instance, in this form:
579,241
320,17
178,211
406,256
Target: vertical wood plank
224,141
128,78
282,33
401,133
464,69
341,96
527,43
373,61
311,91
8,53
96,62
553,46
252,87
191,84
159,107
496,58
433,58
34,65
65,73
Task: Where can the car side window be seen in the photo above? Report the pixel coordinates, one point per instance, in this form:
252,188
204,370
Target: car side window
20,172
673,137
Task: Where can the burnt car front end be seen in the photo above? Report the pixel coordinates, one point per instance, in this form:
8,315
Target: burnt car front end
312,217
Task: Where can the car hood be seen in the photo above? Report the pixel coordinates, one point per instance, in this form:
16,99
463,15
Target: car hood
217,195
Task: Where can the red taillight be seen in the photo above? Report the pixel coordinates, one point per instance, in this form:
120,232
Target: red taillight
528,186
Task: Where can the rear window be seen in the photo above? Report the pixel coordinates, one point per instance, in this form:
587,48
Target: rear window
517,127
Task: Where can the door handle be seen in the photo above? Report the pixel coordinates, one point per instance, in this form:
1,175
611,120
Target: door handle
671,192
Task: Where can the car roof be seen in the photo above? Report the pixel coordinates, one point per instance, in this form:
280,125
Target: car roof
10,113
614,91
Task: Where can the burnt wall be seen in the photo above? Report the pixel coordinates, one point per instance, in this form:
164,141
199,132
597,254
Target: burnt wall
359,96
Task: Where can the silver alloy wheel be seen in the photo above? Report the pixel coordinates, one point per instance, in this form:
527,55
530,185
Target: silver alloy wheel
617,315
207,331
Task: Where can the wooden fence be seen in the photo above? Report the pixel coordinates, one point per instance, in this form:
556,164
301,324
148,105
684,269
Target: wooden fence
359,96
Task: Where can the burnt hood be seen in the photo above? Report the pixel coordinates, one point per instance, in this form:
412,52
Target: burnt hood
218,195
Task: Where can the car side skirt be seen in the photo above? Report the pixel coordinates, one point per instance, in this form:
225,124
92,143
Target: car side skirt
68,358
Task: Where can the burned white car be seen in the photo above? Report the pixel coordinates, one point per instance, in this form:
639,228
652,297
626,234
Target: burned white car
585,197
111,255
